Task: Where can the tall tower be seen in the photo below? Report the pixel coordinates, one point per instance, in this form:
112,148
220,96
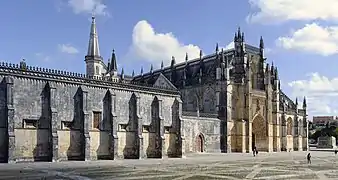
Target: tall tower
94,61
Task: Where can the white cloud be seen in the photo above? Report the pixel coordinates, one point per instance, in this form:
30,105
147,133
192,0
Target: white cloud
312,38
321,93
156,47
67,48
88,6
284,10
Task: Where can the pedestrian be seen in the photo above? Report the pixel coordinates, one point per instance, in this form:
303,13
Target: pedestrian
254,151
335,152
309,158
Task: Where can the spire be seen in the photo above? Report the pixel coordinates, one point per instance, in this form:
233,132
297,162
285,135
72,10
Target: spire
304,103
141,70
133,74
276,73
272,68
261,43
239,33
186,58
216,48
93,45
296,102
162,65
201,54
113,64
267,68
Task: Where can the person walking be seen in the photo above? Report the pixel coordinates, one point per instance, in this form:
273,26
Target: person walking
254,151
308,158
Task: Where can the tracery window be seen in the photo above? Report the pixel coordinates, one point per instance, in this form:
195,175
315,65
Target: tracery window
289,127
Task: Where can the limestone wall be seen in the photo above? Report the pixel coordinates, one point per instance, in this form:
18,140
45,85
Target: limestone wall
33,144
65,120
209,128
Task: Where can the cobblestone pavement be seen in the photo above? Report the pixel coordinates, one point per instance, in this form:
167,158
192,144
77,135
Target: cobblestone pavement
287,165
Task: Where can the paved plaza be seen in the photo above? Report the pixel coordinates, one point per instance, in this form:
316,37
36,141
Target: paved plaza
286,165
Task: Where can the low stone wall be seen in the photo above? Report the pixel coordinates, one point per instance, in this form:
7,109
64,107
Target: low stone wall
208,128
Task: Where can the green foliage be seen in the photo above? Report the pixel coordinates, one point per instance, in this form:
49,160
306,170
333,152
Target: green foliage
329,130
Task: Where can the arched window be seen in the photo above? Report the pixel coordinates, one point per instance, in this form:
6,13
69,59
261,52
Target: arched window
289,127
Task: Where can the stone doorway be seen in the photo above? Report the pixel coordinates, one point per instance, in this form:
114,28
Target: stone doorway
259,134
200,143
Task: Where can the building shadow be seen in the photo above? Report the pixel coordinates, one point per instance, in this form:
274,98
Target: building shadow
131,149
76,150
154,149
105,150
43,148
3,122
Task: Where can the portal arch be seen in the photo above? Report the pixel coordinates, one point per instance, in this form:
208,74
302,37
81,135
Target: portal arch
199,143
259,133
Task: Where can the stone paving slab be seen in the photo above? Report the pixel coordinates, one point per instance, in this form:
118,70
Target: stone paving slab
290,165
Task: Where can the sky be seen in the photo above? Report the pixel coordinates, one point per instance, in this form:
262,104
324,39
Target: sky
301,37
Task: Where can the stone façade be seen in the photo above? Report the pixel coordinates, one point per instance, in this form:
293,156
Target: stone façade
49,117
229,101
241,92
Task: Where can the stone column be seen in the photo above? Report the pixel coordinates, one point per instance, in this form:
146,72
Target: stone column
243,135
54,123
249,135
113,124
277,134
139,127
161,124
86,124
10,120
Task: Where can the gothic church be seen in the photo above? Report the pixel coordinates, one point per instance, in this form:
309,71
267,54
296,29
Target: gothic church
228,101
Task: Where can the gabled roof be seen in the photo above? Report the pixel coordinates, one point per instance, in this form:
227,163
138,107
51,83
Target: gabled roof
160,80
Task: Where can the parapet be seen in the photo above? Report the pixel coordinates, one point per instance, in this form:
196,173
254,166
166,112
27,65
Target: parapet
23,70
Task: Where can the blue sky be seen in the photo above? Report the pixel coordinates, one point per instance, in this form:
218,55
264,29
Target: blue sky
54,34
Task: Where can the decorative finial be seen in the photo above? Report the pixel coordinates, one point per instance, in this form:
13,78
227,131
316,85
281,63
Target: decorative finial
122,73
173,61
216,47
162,65
201,54
186,57
151,68
133,73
